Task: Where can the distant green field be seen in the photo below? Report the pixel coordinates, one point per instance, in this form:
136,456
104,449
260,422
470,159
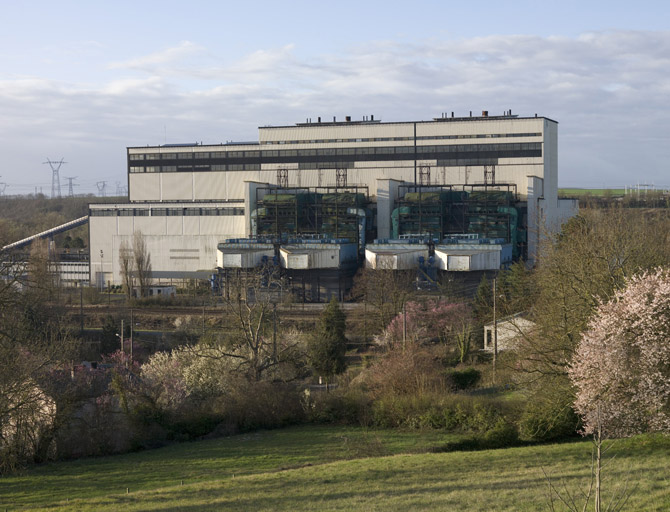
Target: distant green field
598,192
335,468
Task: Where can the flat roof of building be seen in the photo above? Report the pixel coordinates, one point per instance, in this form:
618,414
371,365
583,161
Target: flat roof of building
434,120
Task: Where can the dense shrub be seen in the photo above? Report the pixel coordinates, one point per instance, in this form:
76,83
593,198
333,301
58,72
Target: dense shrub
548,417
410,370
255,405
348,406
461,413
462,379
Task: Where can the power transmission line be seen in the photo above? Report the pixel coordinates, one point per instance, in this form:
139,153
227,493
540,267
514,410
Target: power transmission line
102,188
70,191
55,178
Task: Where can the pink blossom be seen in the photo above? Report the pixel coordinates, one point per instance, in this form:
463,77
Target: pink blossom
621,368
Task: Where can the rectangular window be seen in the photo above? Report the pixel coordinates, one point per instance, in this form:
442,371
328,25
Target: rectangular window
136,157
169,168
185,156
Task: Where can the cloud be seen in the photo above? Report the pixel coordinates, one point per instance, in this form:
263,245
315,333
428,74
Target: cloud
161,61
608,90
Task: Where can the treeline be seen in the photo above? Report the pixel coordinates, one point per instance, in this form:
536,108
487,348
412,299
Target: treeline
644,199
23,216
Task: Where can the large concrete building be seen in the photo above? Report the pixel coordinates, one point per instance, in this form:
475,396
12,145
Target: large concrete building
187,198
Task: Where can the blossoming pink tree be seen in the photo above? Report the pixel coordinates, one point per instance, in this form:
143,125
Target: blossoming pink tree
433,319
621,368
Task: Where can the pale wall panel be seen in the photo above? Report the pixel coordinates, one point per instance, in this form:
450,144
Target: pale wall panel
175,225
210,185
144,187
177,186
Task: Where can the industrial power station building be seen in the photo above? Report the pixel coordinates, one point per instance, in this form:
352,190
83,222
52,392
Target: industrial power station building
479,189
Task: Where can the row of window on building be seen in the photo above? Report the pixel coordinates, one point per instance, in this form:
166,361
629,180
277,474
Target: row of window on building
450,154
425,137
165,212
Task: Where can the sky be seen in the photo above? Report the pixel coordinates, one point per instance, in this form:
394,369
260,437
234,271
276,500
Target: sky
81,80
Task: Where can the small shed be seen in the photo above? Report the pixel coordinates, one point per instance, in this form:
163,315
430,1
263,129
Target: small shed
510,329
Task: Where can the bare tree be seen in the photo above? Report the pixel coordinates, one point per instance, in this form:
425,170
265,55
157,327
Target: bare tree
34,339
142,260
253,337
385,291
127,267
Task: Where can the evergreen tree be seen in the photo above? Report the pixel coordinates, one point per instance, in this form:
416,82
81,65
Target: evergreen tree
328,345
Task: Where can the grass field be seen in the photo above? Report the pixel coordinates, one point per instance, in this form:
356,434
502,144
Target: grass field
596,192
335,468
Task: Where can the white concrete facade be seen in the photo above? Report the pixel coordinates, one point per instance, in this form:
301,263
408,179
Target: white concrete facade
378,155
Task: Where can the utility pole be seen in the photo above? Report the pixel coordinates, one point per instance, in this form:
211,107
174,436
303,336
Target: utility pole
132,326
495,330
81,307
274,331
404,325
102,274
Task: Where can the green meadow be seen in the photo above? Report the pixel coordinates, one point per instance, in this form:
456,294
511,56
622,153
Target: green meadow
339,468
596,192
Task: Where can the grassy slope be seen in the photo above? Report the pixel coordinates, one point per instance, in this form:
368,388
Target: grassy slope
331,468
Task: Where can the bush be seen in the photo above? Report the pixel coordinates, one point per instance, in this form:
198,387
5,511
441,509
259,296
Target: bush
546,419
257,405
462,379
411,370
409,411
503,433
351,407
462,413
